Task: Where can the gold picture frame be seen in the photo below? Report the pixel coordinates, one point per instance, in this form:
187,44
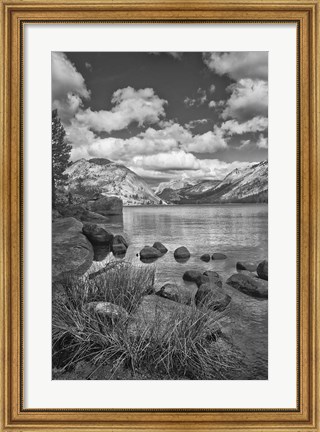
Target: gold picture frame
305,14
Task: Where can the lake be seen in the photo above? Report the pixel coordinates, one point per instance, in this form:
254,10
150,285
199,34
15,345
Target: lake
240,231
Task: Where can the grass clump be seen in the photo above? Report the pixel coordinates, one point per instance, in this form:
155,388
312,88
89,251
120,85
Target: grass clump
181,342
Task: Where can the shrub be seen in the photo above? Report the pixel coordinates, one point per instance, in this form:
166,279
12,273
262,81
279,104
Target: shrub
188,348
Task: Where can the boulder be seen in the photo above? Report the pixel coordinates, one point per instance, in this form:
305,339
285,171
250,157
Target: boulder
72,253
161,248
214,278
120,239
113,313
149,252
159,316
218,256
119,249
119,245
251,267
212,297
195,276
96,234
181,253
262,270
81,213
101,251
106,205
176,293
205,257
249,285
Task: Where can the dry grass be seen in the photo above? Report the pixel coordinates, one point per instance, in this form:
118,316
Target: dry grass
187,349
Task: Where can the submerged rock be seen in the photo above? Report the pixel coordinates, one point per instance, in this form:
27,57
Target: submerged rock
212,297
262,270
252,286
219,256
205,257
181,253
161,248
72,253
96,234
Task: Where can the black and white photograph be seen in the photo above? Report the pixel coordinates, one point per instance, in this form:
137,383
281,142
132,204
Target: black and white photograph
159,215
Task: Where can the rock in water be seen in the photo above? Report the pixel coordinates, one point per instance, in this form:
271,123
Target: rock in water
262,270
251,286
214,278
149,252
96,234
205,257
72,253
161,248
251,267
219,256
181,253
212,297
106,205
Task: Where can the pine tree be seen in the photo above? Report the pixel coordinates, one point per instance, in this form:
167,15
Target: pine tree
61,150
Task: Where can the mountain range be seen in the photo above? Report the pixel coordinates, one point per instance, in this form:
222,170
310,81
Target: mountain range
248,184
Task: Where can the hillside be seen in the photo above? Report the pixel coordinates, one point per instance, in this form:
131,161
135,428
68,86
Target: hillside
248,184
109,178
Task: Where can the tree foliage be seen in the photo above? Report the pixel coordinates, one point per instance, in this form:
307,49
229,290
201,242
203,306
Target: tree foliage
61,150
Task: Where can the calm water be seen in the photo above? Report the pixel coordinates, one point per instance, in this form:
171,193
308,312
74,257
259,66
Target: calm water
239,231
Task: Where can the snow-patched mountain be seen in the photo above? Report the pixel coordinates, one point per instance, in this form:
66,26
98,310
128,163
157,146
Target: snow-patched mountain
109,178
248,184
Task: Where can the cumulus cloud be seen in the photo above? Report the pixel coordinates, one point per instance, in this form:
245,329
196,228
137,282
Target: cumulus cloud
88,66
189,101
233,127
194,123
212,104
238,65
142,106
248,99
262,142
212,88
68,86
198,100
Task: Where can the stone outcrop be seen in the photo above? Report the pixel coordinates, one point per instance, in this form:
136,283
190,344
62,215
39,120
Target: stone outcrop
106,205
72,253
96,234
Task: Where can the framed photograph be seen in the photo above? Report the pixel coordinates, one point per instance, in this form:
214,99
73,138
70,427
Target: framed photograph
160,199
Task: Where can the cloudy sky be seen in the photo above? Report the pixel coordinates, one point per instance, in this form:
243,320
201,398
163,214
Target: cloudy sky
165,115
